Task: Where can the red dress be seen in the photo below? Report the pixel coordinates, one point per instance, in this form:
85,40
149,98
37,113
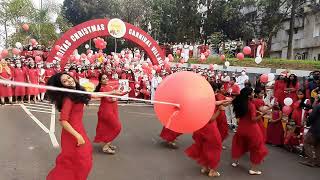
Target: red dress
292,137
169,135
132,86
293,94
279,93
109,126
73,163
259,103
48,73
19,75
249,138
34,79
275,132
207,146
222,122
5,90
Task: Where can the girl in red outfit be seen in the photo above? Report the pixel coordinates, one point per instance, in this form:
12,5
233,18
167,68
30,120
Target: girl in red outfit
132,81
41,81
75,160
109,125
294,134
248,137
19,75
275,132
260,106
222,118
207,147
292,87
33,78
5,89
279,86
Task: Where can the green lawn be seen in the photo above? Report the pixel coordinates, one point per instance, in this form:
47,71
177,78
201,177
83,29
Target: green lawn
266,63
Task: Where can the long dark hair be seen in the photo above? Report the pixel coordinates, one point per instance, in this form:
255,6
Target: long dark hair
57,97
302,105
241,102
98,87
293,82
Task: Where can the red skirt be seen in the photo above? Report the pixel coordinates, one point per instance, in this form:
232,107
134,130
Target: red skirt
249,139
19,91
223,125
6,91
42,90
169,135
207,146
275,133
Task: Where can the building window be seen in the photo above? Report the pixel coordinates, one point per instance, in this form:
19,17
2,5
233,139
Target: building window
316,31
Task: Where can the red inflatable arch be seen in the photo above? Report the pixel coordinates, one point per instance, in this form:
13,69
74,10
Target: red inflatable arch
81,33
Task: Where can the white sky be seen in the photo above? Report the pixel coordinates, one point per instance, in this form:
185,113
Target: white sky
37,5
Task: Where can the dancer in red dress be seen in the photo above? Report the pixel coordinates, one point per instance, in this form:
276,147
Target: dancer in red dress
170,137
248,137
207,146
75,160
222,118
294,134
109,125
33,78
279,86
260,106
132,81
275,132
292,87
19,75
5,89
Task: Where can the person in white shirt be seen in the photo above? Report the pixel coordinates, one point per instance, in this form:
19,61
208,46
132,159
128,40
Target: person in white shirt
155,81
242,79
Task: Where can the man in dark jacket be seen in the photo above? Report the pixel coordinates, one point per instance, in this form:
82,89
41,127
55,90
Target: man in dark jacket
312,139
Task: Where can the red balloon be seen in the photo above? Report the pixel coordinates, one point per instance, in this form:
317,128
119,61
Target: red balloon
37,58
170,57
223,57
211,66
240,56
57,47
15,51
194,95
247,50
33,41
83,56
206,54
25,27
4,53
264,78
286,110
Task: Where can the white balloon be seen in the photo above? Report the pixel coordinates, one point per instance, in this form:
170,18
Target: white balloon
153,72
215,66
18,45
258,60
288,101
130,55
271,77
87,46
227,63
182,55
186,58
86,62
166,60
202,56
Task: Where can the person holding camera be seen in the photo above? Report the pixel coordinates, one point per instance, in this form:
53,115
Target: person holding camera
312,139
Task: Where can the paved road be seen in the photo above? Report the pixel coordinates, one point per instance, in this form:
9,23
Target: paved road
27,152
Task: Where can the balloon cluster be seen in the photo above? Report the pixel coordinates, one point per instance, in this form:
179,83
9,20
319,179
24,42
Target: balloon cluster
100,43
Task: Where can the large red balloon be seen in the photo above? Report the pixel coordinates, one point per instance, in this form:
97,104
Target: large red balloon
57,47
286,110
264,78
4,53
25,27
15,51
194,95
223,57
240,56
247,50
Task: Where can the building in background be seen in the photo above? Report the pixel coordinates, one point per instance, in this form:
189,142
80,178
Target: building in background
306,39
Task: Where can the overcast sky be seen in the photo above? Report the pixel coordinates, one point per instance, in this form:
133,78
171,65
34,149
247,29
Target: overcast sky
37,2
